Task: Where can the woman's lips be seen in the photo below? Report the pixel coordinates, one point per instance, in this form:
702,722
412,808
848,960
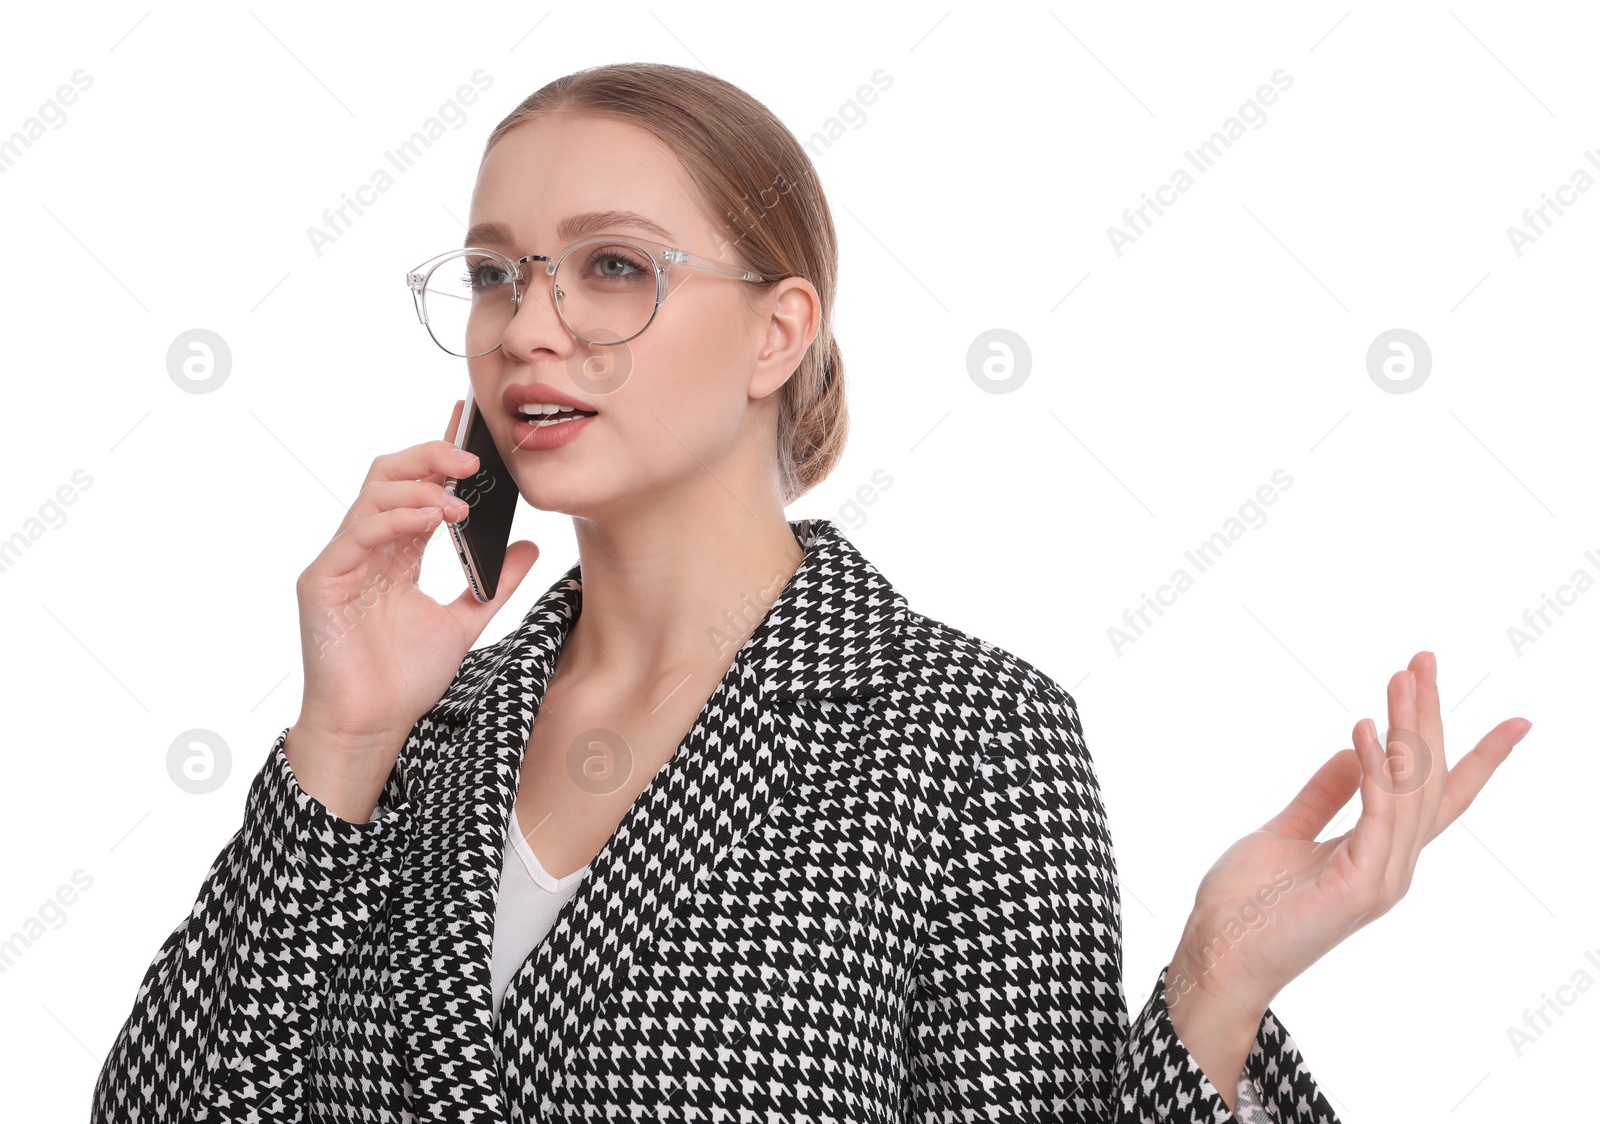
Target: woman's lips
526,435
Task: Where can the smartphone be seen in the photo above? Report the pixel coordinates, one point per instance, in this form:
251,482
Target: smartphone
491,494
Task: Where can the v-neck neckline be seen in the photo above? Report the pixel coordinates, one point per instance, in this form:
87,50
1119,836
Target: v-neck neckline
536,869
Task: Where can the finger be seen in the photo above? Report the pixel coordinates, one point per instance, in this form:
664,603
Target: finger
386,495
1473,771
1430,730
1405,765
1372,839
352,546
1329,789
430,460
1425,666
433,461
473,614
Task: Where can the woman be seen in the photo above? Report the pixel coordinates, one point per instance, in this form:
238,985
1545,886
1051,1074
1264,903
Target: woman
724,829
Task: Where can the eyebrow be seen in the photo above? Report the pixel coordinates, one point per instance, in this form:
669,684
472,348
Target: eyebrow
572,227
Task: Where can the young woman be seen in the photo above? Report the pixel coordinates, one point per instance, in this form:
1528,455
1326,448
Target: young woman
724,830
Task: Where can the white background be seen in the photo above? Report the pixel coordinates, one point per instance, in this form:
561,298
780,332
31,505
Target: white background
1228,342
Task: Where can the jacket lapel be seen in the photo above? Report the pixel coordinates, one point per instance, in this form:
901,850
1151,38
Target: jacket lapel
831,631
442,919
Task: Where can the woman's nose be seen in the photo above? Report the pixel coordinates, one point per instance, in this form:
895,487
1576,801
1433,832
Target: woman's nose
535,324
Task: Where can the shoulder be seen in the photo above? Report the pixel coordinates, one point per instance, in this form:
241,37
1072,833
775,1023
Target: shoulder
993,691
1027,797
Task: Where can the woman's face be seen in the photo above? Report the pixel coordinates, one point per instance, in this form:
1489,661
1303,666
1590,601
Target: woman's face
683,405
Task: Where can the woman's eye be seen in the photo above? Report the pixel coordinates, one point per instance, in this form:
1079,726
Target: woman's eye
610,265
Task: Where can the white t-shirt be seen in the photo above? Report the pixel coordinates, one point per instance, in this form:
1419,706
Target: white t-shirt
526,908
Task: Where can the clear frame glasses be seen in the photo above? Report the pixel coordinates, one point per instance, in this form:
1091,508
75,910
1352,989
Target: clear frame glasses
606,290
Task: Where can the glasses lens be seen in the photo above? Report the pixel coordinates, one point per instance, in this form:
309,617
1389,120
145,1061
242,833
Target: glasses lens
606,291
468,300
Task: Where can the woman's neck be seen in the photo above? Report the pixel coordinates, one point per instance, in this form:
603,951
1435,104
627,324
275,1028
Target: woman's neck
669,601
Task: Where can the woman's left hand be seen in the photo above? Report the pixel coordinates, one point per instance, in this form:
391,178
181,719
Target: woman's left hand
1277,900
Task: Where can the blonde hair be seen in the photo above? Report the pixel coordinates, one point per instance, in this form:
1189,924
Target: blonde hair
752,173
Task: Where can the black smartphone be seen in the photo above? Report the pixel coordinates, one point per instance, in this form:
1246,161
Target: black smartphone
491,494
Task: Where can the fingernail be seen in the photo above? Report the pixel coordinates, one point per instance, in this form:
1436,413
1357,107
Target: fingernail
1413,688
463,455
455,503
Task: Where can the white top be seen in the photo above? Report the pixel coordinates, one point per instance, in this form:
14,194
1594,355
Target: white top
526,907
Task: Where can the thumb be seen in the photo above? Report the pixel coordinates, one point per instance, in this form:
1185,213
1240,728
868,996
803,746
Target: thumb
1329,789
475,615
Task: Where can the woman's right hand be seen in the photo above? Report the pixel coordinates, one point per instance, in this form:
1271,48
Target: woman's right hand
377,651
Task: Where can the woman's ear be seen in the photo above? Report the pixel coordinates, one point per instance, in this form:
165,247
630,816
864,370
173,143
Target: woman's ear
793,314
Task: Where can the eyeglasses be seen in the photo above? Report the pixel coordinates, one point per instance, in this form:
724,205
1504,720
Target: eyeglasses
606,290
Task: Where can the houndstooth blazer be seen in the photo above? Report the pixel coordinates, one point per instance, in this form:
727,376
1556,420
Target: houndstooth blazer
875,883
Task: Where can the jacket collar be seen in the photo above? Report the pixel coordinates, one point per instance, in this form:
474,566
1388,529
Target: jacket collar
830,632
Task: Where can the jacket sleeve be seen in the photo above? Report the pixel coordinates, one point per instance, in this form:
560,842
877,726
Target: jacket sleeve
224,1015
1018,1012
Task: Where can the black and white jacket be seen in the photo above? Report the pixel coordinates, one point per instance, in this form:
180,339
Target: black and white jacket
874,884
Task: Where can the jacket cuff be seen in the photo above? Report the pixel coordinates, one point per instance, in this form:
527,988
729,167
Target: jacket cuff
310,834
1279,1072
1274,1067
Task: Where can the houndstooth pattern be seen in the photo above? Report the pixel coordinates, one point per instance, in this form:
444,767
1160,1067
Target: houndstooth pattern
875,883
